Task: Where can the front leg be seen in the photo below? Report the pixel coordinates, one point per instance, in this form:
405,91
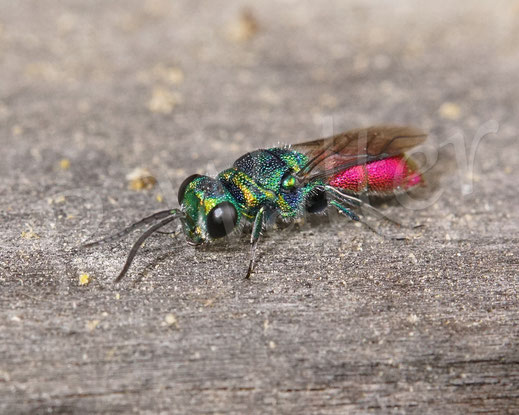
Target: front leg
256,232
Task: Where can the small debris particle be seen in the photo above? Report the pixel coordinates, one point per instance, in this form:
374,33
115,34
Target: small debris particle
272,345
413,259
244,28
140,179
269,96
83,106
117,296
171,320
64,164
3,109
91,325
170,74
66,23
328,101
30,234
4,376
59,199
16,130
412,318
84,279
266,324
159,198
163,101
111,353
450,111
43,71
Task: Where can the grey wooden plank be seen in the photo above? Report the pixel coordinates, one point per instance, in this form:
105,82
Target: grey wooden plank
336,319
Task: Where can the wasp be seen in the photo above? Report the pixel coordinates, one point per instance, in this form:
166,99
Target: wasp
288,182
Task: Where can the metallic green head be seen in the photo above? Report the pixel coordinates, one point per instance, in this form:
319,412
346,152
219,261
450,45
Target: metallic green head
210,210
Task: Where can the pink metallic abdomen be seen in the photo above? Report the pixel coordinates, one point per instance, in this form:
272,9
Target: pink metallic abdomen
382,176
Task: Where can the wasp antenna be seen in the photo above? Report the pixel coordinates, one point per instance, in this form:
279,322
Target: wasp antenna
147,220
141,240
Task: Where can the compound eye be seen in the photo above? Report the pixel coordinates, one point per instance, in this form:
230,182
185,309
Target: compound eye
221,220
183,186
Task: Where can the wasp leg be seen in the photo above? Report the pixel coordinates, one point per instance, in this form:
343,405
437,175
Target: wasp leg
344,210
256,232
352,215
356,202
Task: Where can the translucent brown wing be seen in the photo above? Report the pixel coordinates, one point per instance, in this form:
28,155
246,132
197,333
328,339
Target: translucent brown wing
328,156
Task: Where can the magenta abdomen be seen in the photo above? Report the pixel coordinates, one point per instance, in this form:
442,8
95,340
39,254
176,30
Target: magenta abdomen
381,176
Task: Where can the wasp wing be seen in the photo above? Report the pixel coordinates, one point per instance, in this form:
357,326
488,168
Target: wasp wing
328,156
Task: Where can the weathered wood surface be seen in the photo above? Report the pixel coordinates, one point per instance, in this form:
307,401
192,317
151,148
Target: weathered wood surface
336,319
